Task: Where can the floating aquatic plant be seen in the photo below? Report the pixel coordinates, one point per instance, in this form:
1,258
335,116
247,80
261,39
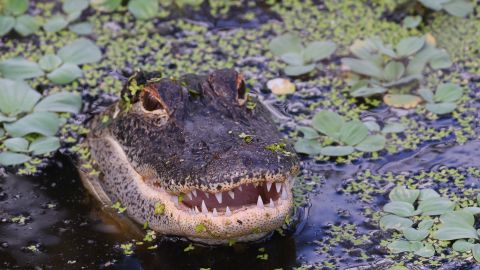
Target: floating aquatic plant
300,59
72,9
459,8
14,17
141,9
444,100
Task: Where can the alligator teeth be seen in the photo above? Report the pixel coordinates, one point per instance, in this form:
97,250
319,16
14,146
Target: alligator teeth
240,188
259,202
269,186
232,195
207,195
219,197
284,194
189,195
228,212
278,186
196,210
194,192
215,214
271,203
204,208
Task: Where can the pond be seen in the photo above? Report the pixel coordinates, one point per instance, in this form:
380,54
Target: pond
378,98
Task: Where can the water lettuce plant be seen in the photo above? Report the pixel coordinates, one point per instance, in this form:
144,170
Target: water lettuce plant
72,9
141,9
29,122
410,206
444,100
333,135
300,59
13,17
459,8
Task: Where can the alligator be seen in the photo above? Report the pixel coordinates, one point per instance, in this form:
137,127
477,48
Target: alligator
196,157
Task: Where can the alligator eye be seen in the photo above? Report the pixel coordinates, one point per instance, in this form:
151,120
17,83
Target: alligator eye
241,91
151,101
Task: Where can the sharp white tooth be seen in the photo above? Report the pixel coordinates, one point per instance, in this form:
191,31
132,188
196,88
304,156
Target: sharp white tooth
271,203
240,188
218,195
232,195
189,195
227,212
259,202
269,186
284,194
196,210
207,195
278,186
194,192
215,214
204,208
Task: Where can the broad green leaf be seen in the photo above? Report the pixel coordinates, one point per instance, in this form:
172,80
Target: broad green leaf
319,50
66,73
426,251
70,6
473,210
426,94
435,206
372,143
393,71
16,7
307,146
308,132
16,144
393,128
328,123
368,91
441,108
459,218
415,235
44,123
71,17
402,100
363,48
60,102
427,194
402,194
440,60
16,97
293,58
425,224
411,21
409,46
399,208
298,70
372,126
50,62
83,28
363,67
459,8
353,132
106,5
44,145
336,151
19,69
476,252
6,24
80,51
448,92
143,9
4,118
433,4
462,245
26,25
419,61
9,158
456,225
404,80
399,246
395,222
55,24
285,43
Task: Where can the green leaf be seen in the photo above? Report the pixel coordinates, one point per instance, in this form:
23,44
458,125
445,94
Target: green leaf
399,208
462,246
106,5
402,100
143,9
363,67
298,70
60,102
448,92
394,222
402,194
425,224
399,246
4,118
308,132
427,194
441,108
26,25
473,210
353,132
372,126
19,69
440,60
404,80
285,43
393,128
292,58
6,24
393,71
415,235
411,21
83,28
319,50
16,144
476,252
16,97
55,24
328,123
44,145
73,16
368,91
16,7
426,251
419,61
426,94
409,46
435,206
307,146
433,4
66,73
456,225
459,8
50,62
80,51
372,143
71,6
337,151
44,123
9,158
